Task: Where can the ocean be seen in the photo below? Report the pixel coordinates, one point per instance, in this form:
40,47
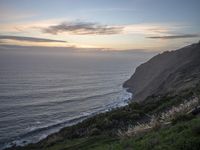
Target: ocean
43,91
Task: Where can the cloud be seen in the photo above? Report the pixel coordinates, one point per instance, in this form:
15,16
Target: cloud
112,9
83,28
175,36
28,39
13,14
151,29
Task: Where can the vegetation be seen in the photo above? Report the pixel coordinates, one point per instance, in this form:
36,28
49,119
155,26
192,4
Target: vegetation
111,130
181,136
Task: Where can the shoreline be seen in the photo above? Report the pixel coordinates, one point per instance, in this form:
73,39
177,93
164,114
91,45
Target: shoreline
24,139
175,105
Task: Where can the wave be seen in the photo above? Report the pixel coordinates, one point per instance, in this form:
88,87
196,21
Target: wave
27,138
84,98
72,100
49,103
44,131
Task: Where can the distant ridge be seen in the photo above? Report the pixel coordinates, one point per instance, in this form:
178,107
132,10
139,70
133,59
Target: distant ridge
167,72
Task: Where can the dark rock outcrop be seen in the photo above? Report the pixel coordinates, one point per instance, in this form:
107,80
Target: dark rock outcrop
166,72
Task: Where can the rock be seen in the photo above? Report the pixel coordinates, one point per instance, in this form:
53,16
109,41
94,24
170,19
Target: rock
170,71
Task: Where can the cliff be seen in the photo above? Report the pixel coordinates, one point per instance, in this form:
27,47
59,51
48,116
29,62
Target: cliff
141,125
167,72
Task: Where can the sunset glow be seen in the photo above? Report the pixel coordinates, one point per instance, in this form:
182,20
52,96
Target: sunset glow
116,25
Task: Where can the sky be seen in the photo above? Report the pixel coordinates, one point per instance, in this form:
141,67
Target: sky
152,25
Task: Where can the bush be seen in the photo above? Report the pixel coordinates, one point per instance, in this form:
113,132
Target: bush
95,131
182,118
196,130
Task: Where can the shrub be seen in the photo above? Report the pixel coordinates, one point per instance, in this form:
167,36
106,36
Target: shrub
179,110
181,118
196,130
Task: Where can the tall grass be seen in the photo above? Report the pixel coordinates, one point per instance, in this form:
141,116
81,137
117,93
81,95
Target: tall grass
162,119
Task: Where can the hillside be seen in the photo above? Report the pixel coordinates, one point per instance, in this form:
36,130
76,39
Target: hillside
167,72
167,118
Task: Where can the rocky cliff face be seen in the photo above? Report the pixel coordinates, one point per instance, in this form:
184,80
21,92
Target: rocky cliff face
166,72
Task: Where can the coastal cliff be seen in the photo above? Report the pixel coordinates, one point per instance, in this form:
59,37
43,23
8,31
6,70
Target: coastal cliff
165,113
167,72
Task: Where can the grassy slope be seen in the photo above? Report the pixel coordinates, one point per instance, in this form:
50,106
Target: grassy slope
100,131
183,135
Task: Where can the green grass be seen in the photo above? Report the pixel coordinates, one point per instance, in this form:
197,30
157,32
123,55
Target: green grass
83,143
181,136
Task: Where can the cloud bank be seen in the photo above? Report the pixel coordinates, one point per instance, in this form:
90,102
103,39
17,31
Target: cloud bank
28,39
175,36
83,28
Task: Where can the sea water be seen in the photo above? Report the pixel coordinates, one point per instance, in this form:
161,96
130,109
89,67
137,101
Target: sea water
43,91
